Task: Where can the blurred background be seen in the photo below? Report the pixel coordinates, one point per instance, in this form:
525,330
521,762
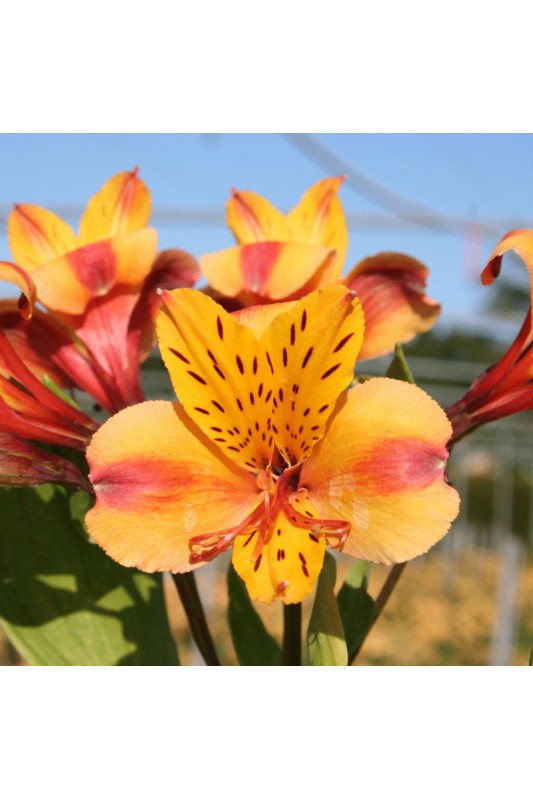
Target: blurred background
444,199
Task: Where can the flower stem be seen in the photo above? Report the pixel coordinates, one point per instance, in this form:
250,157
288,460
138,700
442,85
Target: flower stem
192,605
381,601
292,635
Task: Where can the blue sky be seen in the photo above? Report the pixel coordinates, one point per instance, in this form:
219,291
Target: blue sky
484,177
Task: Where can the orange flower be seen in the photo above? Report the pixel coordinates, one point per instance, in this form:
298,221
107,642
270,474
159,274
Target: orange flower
30,410
265,451
507,386
285,257
98,288
23,464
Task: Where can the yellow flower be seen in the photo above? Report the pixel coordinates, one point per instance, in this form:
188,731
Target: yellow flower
98,288
265,451
113,247
285,257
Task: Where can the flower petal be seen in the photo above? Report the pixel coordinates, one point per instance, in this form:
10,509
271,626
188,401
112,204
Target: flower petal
172,269
287,567
37,236
219,373
23,464
13,274
319,219
48,347
158,483
258,318
39,424
391,288
67,284
43,415
312,348
267,271
103,328
122,205
381,467
30,340
521,242
254,219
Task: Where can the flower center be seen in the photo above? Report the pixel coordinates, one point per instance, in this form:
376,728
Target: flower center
280,493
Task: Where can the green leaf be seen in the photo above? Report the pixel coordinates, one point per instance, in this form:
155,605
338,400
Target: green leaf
62,600
253,644
326,645
356,607
399,368
52,385
531,659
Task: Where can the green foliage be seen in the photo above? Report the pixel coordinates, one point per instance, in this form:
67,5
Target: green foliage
464,346
326,645
62,600
356,607
253,644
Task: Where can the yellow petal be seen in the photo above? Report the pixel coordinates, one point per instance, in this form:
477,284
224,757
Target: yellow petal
312,348
219,373
287,567
319,219
158,483
254,219
68,283
391,289
122,205
267,271
135,254
37,235
381,467
258,318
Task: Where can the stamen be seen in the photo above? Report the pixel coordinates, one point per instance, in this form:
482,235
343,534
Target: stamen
335,529
208,546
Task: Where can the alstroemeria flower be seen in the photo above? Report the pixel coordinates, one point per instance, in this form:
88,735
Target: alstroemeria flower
266,453
280,257
98,287
507,386
29,410
285,257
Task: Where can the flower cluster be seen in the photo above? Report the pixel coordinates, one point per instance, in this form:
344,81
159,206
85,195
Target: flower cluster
98,292
272,449
267,453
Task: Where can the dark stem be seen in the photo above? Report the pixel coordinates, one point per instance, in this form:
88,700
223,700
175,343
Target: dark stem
381,601
292,635
190,599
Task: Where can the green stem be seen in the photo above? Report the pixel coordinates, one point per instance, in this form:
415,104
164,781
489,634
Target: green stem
192,605
381,601
292,635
